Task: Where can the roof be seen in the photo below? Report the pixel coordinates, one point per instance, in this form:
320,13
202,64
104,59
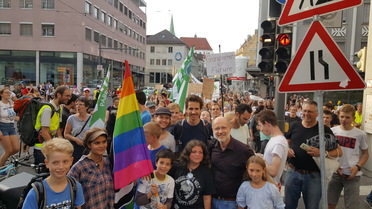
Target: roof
163,37
199,43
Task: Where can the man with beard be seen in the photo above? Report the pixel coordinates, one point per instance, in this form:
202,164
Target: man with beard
229,157
47,120
193,127
240,130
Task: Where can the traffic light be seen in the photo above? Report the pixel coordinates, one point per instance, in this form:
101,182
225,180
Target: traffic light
362,55
68,72
268,46
283,52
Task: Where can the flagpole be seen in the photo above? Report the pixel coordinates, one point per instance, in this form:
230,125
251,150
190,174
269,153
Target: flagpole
221,84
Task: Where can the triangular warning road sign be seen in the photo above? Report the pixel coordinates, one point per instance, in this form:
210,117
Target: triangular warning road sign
296,10
319,65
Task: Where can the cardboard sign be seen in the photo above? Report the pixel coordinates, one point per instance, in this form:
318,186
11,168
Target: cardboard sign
195,88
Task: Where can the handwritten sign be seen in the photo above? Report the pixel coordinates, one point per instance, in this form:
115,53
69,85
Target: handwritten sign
223,63
195,88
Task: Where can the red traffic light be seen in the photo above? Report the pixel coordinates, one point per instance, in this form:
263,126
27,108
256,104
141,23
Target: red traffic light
284,39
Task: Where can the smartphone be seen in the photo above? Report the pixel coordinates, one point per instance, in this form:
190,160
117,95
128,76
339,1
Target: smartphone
304,146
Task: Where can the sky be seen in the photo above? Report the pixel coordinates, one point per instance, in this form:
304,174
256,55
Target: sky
225,23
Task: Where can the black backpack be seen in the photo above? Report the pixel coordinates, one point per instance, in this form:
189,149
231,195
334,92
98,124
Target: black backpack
37,183
27,109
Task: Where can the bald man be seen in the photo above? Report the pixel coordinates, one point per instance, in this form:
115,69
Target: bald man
229,157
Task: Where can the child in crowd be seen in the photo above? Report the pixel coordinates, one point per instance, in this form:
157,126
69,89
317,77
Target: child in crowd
58,159
152,133
157,192
258,190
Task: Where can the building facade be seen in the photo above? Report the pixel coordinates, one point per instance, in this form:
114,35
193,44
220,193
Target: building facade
59,41
165,54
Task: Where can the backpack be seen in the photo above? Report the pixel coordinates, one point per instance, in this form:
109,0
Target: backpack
27,109
37,183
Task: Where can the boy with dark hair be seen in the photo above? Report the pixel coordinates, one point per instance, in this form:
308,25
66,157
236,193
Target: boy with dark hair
327,118
58,159
158,192
353,142
239,123
145,114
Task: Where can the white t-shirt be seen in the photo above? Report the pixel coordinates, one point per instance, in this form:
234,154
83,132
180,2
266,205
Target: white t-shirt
351,142
7,113
169,142
277,145
166,189
241,134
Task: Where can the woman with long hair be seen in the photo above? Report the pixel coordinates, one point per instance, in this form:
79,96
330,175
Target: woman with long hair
194,186
8,135
93,171
77,125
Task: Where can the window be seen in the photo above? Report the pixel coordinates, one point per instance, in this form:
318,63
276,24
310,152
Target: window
25,29
125,10
95,12
121,7
47,29
4,3
157,61
152,49
115,23
25,4
121,46
170,62
164,62
121,26
88,8
125,49
157,78
170,49
109,20
116,3
109,42
125,29
103,16
88,34
130,14
110,2
152,61
144,25
152,76
96,37
5,29
48,4
129,32
115,44
103,40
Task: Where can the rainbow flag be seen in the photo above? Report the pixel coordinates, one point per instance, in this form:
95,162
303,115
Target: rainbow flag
131,156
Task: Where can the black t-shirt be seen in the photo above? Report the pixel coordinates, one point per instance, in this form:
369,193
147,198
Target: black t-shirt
298,134
111,120
190,188
183,132
291,120
65,114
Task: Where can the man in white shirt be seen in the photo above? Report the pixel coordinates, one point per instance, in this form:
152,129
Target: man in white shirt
276,150
240,130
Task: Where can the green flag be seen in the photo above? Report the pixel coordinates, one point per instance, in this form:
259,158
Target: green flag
181,81
99,115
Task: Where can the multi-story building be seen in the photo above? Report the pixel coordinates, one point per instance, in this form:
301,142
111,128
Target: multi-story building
202,48
59,41
165,54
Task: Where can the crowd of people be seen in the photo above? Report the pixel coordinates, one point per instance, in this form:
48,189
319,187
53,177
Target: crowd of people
214,154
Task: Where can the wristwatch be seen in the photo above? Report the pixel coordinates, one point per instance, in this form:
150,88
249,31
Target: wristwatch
359,168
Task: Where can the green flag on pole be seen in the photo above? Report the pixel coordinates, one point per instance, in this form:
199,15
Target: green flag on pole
181,81
99,115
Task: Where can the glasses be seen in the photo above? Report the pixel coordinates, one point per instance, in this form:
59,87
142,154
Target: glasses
220,128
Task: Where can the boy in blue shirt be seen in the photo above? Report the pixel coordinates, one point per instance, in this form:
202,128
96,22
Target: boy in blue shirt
58,159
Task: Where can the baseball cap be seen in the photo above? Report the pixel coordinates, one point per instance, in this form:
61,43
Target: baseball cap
150,104
86,89
163,111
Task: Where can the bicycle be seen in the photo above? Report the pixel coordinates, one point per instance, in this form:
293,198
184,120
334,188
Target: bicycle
12,168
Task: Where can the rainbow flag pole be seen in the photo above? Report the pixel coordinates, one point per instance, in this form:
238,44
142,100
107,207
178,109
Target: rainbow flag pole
131,156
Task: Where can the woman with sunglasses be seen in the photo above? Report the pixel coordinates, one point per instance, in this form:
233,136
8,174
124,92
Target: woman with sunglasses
194,186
